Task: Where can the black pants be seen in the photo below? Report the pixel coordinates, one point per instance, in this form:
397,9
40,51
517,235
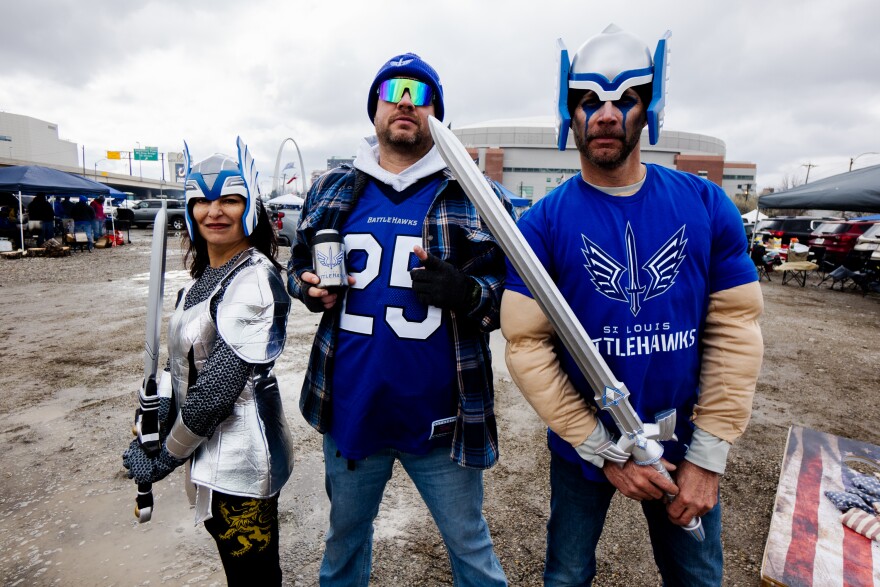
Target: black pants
246,532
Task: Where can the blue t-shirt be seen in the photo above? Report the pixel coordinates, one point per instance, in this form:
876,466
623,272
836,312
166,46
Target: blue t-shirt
394,366
637,272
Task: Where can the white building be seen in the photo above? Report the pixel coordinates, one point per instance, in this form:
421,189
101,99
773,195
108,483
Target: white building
521,154
29,139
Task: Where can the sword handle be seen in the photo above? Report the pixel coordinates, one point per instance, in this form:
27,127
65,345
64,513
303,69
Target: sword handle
143,509
695,526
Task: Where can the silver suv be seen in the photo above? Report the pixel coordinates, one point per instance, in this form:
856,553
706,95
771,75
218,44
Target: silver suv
144,213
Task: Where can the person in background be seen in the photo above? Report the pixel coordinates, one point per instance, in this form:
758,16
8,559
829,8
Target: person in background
222,409
41,210
84,220
400,369
98,206
654,264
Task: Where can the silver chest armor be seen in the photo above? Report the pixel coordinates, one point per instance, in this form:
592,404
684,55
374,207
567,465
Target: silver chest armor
251,451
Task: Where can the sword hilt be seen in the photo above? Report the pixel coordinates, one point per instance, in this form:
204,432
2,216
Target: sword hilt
695,526
143,509
146,420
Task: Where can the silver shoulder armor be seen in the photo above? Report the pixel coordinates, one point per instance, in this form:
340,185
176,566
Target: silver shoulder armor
252,317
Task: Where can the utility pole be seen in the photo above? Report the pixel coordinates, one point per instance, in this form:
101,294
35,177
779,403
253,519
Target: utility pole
852,159
808,166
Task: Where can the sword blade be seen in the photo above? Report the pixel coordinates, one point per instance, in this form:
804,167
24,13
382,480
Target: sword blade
155,292
521,256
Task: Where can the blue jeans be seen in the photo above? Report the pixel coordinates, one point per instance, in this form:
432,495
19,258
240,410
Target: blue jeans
86,226
453,494
47,231
578,508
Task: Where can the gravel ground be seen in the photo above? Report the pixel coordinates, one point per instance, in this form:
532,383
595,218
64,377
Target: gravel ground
70,364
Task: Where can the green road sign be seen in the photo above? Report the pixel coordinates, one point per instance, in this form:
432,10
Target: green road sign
146,154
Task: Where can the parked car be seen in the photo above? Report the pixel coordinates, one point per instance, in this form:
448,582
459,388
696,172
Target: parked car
788,227
839,238
749,227
285,221
144,213
869,242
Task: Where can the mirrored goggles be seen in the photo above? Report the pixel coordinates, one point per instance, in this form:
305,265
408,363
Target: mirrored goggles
392,90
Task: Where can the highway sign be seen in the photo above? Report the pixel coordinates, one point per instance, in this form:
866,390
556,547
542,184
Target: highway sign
146,154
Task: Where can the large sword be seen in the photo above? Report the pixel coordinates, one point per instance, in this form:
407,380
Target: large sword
638,440
146,419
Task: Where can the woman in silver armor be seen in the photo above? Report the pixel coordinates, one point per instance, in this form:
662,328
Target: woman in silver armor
221,408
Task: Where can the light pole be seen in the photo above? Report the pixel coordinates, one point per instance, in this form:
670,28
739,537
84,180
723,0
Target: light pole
141,163
96,167
852,159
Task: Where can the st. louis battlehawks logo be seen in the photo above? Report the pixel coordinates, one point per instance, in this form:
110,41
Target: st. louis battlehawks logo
328,260
662,268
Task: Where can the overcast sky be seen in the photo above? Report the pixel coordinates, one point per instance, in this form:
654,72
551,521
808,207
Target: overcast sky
783,83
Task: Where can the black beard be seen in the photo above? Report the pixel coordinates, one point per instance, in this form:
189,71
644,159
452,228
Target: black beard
419,141
610,161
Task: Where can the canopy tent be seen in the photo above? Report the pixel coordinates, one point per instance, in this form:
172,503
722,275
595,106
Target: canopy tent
753,216
854,191
33,179
287,200
115,194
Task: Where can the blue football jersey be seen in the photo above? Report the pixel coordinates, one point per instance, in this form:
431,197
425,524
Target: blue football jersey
638,271
394,367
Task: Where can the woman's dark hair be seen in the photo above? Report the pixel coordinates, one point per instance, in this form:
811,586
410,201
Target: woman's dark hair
263,239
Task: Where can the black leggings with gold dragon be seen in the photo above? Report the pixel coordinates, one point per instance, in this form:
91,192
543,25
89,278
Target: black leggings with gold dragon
246,532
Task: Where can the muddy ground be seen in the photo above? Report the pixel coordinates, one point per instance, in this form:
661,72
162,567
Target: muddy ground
71,344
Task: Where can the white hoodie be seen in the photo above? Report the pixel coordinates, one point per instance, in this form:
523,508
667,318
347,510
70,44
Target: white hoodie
367,160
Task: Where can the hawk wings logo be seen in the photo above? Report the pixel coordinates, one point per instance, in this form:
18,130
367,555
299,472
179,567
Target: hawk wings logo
400,62
329,260
607,272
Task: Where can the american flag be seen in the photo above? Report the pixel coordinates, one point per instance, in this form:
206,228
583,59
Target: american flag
807,544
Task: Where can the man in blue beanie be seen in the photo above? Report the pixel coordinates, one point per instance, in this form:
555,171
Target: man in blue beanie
400,369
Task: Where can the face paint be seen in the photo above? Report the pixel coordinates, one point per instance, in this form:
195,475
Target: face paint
605,129
593,105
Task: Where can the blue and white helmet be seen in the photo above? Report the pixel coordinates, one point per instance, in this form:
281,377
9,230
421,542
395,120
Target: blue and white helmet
221,175
609,64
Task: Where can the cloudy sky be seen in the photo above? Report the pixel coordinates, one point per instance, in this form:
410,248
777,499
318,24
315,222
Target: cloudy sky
784,83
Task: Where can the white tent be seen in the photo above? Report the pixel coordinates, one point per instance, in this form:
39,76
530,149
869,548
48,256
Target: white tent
287,200
753,216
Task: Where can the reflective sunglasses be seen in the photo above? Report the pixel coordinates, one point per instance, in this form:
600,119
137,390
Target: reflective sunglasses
392,90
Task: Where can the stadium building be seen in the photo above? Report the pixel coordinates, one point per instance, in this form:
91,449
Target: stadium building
521,154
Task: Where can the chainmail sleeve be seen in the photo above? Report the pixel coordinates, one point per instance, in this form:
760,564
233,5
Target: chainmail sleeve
211,398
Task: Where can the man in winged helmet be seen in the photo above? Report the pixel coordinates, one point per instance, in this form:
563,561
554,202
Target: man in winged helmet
654,264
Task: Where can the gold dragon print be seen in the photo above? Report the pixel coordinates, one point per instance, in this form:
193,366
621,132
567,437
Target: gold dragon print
249,523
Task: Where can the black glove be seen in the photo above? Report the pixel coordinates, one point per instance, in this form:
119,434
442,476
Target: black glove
313,304
442,285
147,469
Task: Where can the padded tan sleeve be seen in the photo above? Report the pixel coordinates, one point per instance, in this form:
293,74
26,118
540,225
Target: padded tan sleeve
732,352
534,366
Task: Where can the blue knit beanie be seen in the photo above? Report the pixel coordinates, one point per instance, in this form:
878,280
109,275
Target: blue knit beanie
406,65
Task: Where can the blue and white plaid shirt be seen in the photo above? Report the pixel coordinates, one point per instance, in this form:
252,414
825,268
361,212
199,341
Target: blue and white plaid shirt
454,232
